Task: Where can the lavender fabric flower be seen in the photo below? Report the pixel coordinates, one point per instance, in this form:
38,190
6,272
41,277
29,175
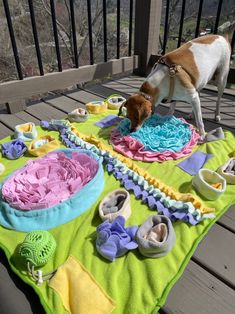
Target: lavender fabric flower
14,149
114,240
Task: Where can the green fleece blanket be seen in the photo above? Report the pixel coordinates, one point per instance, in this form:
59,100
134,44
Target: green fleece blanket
135,283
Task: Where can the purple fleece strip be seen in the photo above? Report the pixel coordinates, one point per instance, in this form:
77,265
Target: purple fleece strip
108,121
14,149
195,162
138,191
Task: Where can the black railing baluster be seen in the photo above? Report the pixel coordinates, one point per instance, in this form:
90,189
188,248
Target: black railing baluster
166,27
118,29
232,42
130,27
90,31
73,26
181,23
199,18
218,16
13,41
105,30
57,47
35,36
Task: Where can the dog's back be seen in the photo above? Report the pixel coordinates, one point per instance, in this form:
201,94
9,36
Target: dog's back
215,58
201,58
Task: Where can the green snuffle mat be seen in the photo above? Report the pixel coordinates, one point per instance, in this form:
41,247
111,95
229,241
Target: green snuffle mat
136,284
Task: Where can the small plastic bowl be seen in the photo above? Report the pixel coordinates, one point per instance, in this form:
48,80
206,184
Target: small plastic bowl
115,101
203,181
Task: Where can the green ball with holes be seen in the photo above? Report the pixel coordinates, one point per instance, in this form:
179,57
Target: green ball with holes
37,248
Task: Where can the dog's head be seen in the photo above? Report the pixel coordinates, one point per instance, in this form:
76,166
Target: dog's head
138,109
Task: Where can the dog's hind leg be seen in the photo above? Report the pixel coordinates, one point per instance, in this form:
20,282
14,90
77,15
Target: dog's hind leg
221,79
196,105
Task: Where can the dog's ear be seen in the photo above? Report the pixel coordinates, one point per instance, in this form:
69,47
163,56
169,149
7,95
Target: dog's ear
144,111
120,109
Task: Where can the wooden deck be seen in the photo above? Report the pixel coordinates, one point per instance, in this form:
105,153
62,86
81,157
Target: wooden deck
208,283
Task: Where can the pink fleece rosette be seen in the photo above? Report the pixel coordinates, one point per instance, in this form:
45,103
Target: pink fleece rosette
48,181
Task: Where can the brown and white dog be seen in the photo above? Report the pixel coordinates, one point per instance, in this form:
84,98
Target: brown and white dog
180,75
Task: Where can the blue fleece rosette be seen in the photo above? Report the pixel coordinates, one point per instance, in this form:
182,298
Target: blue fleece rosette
14,149
160,134
114,240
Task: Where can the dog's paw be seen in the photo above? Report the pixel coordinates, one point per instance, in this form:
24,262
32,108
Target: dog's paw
218,118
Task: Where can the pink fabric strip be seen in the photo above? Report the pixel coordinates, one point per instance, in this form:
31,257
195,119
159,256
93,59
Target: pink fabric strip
130,147
49,180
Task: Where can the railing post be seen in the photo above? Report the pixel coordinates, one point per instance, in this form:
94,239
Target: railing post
147,29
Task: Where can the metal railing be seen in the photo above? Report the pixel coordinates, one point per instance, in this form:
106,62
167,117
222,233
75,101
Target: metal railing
199,16
73,33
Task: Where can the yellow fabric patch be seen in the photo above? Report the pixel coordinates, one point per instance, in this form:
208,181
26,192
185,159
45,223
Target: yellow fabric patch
51,144
79,291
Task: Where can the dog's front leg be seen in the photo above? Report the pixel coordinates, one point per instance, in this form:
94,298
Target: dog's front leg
196,105
171,109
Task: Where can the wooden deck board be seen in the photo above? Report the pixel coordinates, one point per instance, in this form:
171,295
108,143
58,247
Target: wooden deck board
83,96
121,87
216,252
43,111
100,90
208,281
10,120
4,131
228,219
65,103
27,117
198,291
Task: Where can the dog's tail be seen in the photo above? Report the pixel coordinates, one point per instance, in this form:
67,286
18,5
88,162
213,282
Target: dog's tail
227,30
